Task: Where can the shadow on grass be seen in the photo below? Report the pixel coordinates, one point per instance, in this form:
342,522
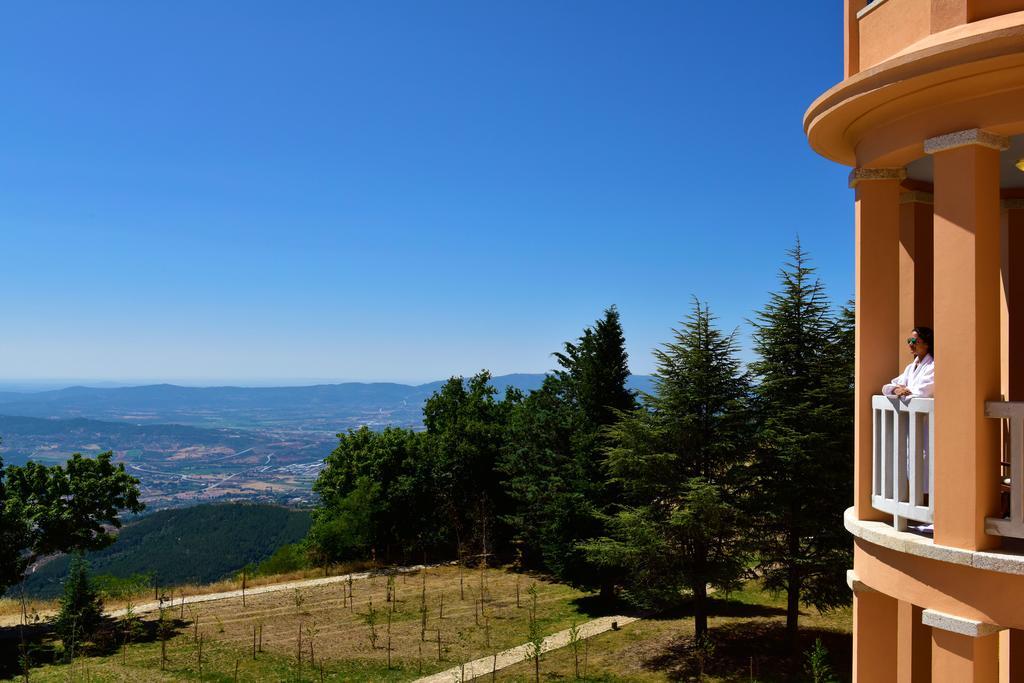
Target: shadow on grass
753,650
16,644
40,645
594,606
721,607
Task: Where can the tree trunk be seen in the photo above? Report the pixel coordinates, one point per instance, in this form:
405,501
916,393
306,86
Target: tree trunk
793,586
792,608
700,611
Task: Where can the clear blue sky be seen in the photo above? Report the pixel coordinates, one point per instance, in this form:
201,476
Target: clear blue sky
270,191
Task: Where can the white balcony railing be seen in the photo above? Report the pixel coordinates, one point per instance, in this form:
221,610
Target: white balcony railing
901,475
1013,460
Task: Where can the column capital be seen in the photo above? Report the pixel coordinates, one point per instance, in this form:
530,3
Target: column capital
954,624
859,174
963,138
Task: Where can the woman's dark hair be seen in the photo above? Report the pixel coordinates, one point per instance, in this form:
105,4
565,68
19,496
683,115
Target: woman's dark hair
925,334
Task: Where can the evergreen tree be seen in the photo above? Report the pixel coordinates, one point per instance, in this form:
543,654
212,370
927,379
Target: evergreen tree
539,471
803,460
595,370
677,461
81,610
554,459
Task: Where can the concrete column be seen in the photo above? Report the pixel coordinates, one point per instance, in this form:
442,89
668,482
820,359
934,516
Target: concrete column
916,261
963,659
967,367
914,646
1011,299
963,650
875,632
877,333
1011,656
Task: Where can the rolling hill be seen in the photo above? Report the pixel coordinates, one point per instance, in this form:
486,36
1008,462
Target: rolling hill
190,545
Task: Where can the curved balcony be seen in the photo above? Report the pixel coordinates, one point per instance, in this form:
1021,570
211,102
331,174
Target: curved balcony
966,76
885,28
902,478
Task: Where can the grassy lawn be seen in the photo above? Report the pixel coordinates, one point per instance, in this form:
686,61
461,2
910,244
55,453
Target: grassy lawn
748,631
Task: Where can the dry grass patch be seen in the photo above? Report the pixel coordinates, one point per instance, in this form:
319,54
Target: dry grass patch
11,609
349,636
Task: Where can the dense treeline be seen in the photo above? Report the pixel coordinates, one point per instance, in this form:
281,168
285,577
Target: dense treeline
186,545
720,473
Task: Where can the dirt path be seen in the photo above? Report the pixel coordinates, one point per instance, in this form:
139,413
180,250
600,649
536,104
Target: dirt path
515,655
152,606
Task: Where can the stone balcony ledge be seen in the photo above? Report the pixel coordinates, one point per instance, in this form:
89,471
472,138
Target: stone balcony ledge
883,534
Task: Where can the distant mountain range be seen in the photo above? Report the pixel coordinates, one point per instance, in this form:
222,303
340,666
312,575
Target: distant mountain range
328,407
190,445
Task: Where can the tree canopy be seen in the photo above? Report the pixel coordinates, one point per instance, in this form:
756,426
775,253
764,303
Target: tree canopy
60,508
678,461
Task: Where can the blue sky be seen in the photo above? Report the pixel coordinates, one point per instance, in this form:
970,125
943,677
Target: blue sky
271,192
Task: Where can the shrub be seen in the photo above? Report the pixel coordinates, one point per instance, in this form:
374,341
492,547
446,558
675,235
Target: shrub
817,663
288,558
118,588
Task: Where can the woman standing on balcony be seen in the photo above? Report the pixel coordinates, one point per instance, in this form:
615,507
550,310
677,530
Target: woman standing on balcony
918,379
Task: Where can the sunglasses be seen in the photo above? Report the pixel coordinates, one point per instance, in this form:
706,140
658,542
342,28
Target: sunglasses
912,340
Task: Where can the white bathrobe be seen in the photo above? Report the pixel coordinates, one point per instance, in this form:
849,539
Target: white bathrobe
919,377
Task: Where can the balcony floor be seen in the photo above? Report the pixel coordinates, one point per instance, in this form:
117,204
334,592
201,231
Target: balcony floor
1007,560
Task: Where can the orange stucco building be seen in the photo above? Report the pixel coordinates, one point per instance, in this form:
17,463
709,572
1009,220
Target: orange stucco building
930,116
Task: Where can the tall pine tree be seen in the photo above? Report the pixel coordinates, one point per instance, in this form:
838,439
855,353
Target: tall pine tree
677,461
554,458
803,460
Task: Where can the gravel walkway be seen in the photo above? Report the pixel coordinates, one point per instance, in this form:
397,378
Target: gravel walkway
152,606
485,665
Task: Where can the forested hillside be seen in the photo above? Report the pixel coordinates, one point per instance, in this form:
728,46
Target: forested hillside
197,544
